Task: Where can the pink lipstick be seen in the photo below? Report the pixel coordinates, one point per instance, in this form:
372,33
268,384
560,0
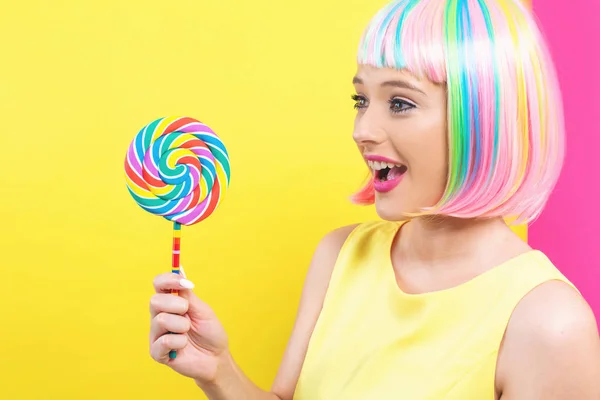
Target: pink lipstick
387,173
386,186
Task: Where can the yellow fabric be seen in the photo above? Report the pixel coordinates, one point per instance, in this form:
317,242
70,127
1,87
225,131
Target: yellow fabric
374,342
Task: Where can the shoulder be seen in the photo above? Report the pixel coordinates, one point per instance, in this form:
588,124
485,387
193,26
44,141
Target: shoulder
325,257
333,241
352,236
551,348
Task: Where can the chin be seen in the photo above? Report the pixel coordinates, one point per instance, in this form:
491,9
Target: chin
391,209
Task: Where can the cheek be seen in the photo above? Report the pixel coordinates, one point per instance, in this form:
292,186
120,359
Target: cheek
424,148
429,173
426,151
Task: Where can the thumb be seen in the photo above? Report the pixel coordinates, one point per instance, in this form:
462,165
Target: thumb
197,308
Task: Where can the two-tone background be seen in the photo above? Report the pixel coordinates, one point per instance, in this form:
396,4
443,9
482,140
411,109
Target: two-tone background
78,79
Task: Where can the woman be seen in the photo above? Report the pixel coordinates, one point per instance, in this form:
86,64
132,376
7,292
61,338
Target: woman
459,120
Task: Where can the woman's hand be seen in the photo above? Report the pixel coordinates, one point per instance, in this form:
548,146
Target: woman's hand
196,333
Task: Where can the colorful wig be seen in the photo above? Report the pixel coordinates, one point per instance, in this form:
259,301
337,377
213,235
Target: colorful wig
505,117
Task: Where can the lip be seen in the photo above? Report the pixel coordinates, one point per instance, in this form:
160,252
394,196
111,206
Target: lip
381,159
386,186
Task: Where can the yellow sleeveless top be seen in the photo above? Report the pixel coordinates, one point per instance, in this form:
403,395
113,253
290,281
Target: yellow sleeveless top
374,342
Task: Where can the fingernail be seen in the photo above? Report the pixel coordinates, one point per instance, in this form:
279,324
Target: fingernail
186,284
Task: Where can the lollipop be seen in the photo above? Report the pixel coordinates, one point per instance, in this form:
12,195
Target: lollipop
177,168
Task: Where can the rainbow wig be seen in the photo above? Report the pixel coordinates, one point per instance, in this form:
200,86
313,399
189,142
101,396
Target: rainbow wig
505,117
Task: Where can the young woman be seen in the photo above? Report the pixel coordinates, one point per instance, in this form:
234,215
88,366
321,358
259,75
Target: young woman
459,120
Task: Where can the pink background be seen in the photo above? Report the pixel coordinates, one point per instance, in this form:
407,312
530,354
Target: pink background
568,231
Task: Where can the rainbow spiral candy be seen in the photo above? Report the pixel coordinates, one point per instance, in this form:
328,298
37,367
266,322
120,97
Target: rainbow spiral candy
179,169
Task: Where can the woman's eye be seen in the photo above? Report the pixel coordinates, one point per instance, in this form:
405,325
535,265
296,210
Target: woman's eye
359,101
399,105
396,105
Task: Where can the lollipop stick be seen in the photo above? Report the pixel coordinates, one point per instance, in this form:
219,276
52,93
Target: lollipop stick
175,265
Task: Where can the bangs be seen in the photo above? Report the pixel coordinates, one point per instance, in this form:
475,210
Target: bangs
407,34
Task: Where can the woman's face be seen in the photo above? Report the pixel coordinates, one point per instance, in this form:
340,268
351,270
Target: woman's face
401,123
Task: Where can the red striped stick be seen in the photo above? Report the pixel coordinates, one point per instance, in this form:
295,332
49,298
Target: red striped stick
176,264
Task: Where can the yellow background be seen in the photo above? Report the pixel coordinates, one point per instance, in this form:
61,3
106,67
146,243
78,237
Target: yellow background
78,79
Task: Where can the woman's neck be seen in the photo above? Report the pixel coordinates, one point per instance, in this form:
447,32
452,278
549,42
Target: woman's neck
439,240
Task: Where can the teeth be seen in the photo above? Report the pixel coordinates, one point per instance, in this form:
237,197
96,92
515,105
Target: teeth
377,165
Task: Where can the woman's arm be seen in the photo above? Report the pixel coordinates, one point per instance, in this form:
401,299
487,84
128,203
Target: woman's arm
311,302
232,383
551,349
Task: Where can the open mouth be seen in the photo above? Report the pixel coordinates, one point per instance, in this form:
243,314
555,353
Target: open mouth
384,171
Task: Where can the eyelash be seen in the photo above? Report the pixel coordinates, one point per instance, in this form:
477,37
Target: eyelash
392,101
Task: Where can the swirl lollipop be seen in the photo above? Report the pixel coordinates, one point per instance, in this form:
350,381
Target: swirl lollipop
177,168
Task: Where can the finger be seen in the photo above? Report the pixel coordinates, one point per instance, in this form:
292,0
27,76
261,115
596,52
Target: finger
159,349
168,281
197,308
164,323
162,302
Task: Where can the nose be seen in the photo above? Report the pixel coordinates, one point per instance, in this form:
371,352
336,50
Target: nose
367,130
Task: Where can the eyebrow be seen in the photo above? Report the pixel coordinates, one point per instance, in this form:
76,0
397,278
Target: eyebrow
399,84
